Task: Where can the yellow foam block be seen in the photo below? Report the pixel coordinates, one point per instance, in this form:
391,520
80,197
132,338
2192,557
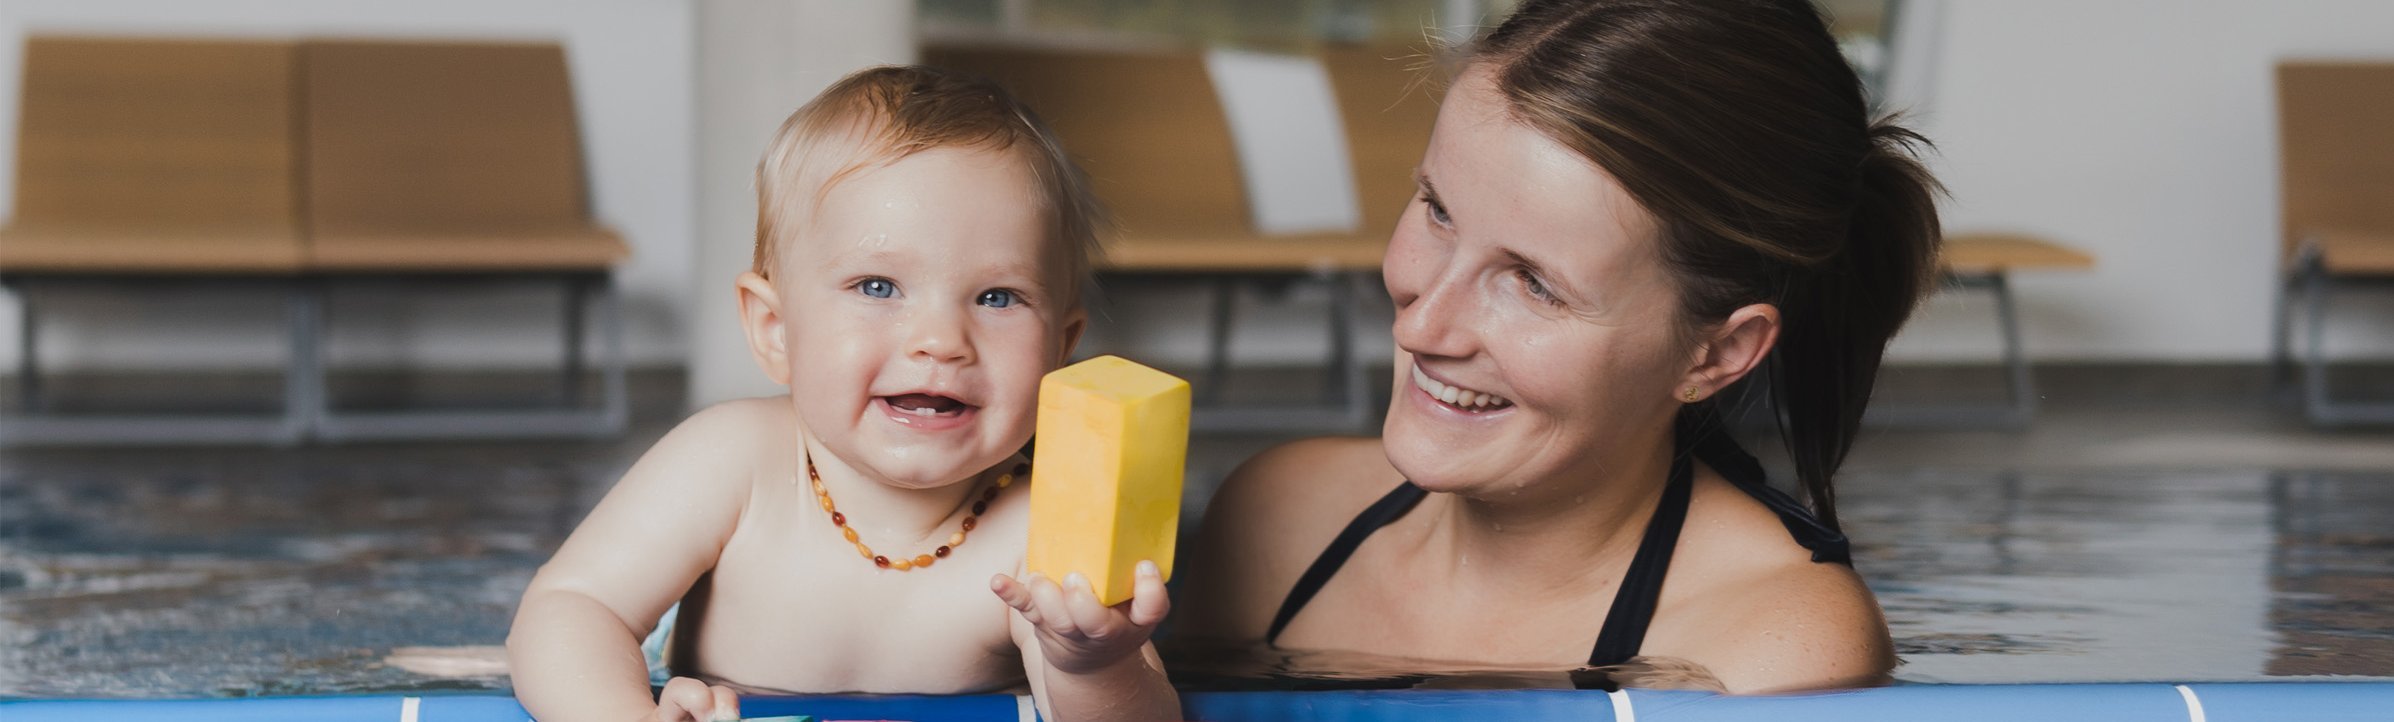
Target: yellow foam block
1106,473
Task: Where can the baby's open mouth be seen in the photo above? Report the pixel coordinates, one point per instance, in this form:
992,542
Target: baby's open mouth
926,405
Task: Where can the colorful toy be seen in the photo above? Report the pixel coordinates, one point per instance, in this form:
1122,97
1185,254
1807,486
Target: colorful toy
1112,441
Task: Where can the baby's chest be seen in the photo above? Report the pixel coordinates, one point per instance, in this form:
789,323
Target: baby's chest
831,622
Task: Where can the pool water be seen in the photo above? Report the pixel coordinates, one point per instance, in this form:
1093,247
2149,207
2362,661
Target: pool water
155,573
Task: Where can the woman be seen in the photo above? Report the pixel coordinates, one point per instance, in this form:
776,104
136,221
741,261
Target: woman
1626,206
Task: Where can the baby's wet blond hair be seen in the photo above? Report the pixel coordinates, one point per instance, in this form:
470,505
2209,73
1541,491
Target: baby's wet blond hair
881,115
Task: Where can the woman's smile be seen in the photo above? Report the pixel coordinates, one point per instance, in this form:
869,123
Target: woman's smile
1456,397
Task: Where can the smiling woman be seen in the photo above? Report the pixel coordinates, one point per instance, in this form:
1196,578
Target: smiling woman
1626,206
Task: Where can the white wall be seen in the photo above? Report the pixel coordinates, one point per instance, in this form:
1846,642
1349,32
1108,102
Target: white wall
758,60
2139,130
2143,131
632,69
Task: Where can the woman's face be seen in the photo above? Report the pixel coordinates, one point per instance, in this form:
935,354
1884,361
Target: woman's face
1534,323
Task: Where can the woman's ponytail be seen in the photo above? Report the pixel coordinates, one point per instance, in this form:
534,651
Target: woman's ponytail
1837,317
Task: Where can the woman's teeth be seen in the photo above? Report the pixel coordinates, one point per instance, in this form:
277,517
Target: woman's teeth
1456,395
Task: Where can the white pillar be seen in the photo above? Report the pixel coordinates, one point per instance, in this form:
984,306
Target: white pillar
757,61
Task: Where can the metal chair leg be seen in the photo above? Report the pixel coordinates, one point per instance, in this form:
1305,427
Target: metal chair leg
2015,354
571,371
616,409
2281,340
29,370
2317,287
1217,341
305,388
2281,333
1346,365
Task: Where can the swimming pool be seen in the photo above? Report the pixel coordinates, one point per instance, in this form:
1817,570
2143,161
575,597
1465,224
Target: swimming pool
230,573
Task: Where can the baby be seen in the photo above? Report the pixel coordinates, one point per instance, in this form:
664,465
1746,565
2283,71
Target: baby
922,244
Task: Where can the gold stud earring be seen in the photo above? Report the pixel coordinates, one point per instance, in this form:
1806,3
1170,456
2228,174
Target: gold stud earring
1691,394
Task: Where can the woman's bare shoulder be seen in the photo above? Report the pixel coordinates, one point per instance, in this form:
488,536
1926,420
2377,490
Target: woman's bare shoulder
1800,628
1268,521
1760,613
1293,489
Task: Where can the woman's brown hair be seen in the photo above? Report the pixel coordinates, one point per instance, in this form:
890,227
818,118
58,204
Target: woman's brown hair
1742,129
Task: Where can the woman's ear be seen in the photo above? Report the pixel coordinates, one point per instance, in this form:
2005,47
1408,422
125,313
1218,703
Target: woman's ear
1732,350
760,317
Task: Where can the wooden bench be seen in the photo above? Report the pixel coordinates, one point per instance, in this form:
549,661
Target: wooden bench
150,163
1985,261
2336,183
296,167
431,165
1149,129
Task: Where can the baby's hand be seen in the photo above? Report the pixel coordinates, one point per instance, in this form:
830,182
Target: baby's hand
689,700
1076,634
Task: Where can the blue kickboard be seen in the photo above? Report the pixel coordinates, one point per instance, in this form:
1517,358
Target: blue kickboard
2154,702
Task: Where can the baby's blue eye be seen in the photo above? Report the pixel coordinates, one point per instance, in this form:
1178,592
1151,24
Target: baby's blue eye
999,298
877,287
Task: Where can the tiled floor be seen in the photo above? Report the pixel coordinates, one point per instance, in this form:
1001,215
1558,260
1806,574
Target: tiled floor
2123,536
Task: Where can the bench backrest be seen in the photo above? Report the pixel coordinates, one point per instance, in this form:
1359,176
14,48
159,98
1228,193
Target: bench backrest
187,135
1146,126
1388,99
436,138
1149,128
2336,147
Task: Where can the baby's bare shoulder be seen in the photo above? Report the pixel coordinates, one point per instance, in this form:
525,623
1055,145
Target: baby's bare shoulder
668,519
710,465
729,442
740,421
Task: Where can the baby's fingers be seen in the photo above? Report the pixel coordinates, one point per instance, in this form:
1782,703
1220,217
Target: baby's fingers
1015,594
1149,601
1096,620
1056,615
727,704
689,699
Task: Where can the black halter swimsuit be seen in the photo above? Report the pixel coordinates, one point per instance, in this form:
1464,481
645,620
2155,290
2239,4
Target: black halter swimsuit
1633,604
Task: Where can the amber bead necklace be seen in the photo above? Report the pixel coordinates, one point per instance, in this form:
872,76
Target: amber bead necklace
920,561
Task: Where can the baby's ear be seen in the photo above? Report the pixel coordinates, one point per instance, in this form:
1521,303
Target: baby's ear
760,318
1074,323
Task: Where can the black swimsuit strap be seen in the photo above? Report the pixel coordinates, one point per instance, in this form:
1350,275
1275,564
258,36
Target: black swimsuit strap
1741,469
1634,602
1388,509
